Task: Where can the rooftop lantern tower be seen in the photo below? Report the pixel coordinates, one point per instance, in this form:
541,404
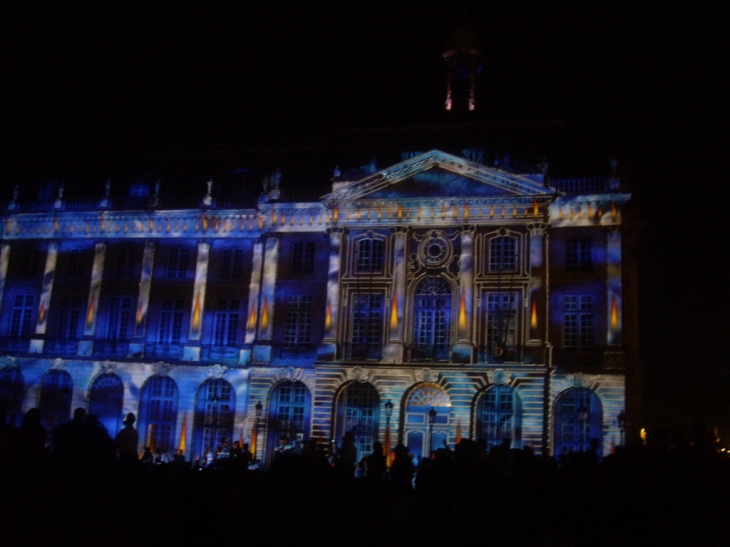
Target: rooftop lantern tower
463,66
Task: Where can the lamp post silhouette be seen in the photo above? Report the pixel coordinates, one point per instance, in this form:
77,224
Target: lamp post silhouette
431,420
388,413
622,425
259,408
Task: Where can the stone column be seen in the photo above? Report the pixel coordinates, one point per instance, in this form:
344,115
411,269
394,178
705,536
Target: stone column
4,259
262,347
614,293
191,352
49,273
136,347
254,291
463,350
327,350
86,344
536,302
393,351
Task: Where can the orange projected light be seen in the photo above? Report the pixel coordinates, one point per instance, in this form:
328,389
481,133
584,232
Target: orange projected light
265,315
614,313
462,313
90,312
328,317
252,317
140,311
196,312
394,311
184,436
533,315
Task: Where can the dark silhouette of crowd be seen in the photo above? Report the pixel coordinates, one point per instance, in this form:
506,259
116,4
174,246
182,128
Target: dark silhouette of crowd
79,486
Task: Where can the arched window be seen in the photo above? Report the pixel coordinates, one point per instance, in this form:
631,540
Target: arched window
358,410
12,392
158,412
499,416
105,401
289,412
426,419
215,405
432,319
578,420
55,399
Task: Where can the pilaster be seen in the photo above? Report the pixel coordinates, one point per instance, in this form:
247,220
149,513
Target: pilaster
327,350
49,273
86,344
191,351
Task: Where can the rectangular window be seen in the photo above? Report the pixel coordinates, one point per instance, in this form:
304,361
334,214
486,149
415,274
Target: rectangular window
126,261
22,312
579,255
226,323
370,256
578,322
503,254
232,264
302,257
120,309
298,328
367,325
76,260
501,335
171,321
32,264
177,263
68,326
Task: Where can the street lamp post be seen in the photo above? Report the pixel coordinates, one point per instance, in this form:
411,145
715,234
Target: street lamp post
259,408
388,413
622,426
431,420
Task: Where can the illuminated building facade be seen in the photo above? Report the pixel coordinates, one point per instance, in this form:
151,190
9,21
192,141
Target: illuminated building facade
440,284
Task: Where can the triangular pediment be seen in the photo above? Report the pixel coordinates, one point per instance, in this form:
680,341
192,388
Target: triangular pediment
438,174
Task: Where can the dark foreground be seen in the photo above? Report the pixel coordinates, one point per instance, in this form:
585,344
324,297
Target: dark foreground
639,496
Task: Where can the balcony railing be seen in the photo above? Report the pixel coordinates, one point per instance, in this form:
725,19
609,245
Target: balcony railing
359,352
116,348
170,351
14,344
502,353
594,185
61,346
300,351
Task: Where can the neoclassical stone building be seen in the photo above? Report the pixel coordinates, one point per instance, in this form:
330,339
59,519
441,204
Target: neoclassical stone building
435,299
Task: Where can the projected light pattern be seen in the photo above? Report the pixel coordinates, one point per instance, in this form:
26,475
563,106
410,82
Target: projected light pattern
436,272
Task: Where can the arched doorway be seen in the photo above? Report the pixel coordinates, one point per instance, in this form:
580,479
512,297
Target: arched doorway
426,419
215,405
578,420
499,416
12,393
289,413
358,410
158,412
106,398
55,398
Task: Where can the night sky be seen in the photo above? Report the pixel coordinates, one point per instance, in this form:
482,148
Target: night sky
93,85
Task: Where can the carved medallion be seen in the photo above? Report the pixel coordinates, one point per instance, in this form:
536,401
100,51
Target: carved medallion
358,374
217,371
